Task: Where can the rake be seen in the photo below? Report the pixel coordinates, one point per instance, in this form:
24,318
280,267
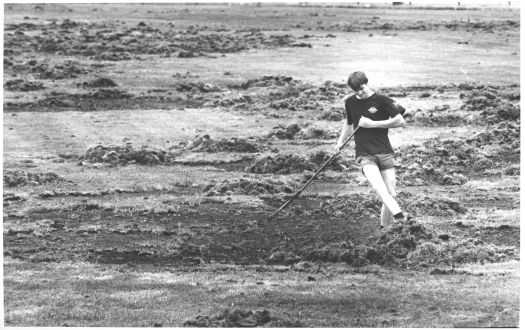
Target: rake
314,176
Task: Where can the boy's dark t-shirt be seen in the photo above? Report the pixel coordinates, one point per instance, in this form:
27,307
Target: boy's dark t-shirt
376,107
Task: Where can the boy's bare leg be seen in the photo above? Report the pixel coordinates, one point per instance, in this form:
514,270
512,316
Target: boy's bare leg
389,178
375,179
386,216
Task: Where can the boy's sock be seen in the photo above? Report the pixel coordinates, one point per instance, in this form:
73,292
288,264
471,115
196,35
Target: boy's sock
399,216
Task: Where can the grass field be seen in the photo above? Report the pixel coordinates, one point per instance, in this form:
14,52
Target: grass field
143,198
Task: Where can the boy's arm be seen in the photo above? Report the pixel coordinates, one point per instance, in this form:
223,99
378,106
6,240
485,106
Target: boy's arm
345,132
396,121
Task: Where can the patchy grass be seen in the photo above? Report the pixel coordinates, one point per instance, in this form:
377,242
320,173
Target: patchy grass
337,296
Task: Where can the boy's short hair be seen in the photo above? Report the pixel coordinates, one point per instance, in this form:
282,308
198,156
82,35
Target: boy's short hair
356,79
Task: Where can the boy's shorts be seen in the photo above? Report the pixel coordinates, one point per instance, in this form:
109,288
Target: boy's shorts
383,161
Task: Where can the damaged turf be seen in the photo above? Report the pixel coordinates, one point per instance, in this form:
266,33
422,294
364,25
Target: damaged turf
306,131
289,163
15,178
245,186
404,243
122,155
239,318
205,143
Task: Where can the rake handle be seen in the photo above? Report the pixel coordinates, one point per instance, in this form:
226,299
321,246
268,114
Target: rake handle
315,175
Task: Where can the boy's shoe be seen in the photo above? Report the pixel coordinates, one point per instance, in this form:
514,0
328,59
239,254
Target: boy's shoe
405,219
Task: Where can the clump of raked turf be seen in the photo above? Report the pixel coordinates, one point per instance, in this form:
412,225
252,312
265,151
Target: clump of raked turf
239,318
355,206
493,105
478,100
285,132
460,251
447,161
205,143
505,134
401,238
289,163
439,116
406,243
230,319
249,186
127,154
14,178
22,85
359,205
347,252
431,205
306,131
440,162
392,246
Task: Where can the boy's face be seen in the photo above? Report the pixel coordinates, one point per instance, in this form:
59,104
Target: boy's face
362,91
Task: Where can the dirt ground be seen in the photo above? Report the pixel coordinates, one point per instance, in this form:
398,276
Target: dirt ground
143,157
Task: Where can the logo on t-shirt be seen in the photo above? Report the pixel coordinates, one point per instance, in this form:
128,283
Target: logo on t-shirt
372,110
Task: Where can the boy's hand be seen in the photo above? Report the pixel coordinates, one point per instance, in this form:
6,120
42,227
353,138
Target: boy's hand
366,122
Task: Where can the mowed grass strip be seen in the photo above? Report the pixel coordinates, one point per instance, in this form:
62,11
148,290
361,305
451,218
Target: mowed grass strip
83,294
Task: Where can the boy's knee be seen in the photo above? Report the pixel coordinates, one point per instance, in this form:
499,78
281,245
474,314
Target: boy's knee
391,187
380,189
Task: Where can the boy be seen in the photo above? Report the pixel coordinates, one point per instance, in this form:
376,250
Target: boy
375,114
